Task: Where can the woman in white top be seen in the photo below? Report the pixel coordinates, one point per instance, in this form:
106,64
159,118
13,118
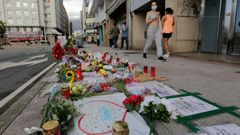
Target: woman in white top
154,32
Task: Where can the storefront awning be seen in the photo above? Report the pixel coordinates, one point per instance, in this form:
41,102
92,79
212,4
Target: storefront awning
114,5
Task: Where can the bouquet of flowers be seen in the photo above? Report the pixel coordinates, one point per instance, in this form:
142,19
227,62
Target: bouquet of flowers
133,103
157,109
57,51
154,108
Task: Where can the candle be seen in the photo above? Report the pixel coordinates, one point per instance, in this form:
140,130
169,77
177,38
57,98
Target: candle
118,60
79,74
153,72
145,69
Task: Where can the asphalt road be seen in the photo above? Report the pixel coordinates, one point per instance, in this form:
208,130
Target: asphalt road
20,64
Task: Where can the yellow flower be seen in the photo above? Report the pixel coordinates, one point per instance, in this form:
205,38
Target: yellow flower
70,75
102,72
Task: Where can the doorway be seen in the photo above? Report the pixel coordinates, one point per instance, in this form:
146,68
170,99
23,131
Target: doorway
235,49
217,27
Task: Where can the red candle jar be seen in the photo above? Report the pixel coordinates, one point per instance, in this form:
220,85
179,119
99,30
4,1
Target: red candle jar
79,74
66,93
153,71
145,69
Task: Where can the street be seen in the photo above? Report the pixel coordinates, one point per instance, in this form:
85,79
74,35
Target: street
20,64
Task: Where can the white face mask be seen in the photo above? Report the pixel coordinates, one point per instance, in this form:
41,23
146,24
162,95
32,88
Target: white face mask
154,7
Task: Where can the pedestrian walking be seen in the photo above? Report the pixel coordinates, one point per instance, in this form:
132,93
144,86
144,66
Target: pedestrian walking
154,32
124,35
167,26
115,33
110,40
98,39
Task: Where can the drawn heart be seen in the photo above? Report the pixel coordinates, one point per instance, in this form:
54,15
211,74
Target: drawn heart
99,116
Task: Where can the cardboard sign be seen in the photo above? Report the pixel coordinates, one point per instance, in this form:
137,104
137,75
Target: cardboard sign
189,105
154,86
99,114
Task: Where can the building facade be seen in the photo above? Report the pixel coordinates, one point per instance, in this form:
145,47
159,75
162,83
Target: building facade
34,18
108,12
88,23
97,8
211,26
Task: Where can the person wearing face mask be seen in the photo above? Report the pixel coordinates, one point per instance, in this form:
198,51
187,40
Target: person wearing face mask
154,32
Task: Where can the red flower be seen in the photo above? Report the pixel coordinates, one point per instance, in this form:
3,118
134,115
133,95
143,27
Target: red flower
127,101
57,51
128,80
104,86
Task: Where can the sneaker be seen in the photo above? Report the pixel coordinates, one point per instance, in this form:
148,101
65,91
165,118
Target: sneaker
145,55
162,59
166,55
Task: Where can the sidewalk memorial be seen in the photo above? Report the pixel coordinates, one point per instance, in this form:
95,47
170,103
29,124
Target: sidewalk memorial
98,89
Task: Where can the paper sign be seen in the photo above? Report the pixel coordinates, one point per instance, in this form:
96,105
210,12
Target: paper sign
155,87
228,129
187,106
99,114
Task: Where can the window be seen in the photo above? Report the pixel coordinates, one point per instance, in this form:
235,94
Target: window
8,4
34,5
17,4
26,21
10,21
13,29
35,21
19,21
25,4
25,13
18,12
9,12
34,13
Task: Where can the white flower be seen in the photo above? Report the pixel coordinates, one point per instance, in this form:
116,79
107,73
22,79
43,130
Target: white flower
148,100
170,108
155,100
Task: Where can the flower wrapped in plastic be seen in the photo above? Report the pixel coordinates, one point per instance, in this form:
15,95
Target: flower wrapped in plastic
57,51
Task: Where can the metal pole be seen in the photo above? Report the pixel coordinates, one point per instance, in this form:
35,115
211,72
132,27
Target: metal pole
44,25
219,22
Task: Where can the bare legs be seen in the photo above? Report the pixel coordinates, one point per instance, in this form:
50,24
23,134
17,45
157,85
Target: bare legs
166,47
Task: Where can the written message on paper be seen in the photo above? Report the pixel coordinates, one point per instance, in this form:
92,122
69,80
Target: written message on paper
155,87
227,129
187,106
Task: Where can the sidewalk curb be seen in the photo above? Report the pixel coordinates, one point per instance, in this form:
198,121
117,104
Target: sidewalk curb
10,98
